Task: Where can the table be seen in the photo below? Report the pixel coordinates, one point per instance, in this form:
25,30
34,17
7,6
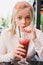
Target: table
31,63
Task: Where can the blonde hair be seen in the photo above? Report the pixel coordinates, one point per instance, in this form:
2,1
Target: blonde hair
17,7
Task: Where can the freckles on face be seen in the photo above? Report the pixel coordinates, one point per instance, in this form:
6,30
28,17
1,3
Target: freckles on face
23,17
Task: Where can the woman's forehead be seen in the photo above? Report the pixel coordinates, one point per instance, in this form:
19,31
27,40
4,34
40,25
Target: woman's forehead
23,12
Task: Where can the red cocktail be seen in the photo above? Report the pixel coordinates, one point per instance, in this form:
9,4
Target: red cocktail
25,42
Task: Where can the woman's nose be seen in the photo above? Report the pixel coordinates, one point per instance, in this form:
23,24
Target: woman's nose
23,21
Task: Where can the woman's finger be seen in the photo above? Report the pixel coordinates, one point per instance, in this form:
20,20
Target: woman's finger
28,30
20,53
21,49
21,46
18,57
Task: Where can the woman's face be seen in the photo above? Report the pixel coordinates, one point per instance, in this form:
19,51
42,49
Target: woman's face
23,17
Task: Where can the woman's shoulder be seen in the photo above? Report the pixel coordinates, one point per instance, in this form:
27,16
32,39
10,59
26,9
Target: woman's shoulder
5,32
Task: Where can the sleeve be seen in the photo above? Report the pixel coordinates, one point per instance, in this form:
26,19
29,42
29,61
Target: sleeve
38,43
31,51
4,55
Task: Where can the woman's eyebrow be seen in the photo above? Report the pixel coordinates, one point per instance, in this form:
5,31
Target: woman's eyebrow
19,16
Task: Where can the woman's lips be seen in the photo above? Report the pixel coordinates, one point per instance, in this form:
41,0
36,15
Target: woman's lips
23,26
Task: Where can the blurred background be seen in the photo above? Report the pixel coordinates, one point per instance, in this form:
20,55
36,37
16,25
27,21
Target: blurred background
6,7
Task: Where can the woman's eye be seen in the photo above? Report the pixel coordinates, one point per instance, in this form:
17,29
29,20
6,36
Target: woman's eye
28,17
20,18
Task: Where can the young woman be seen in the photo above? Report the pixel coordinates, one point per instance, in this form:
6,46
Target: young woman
10,47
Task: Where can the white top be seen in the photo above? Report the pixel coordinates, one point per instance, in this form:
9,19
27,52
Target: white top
8,44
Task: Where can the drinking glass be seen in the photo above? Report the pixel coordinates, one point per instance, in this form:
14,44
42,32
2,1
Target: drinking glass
24,40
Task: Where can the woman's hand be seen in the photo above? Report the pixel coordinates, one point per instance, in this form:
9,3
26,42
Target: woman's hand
31,32
19,52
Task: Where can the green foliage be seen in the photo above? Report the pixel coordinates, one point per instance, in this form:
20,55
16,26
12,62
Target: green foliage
6,23
42,19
